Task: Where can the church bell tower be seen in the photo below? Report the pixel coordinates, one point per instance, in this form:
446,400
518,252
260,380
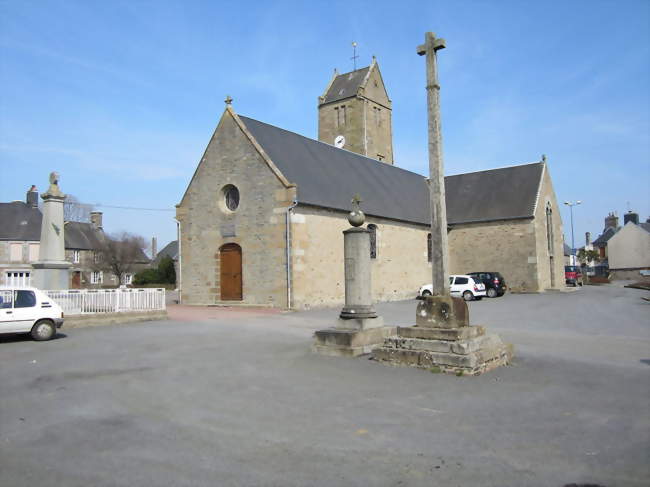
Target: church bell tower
354,113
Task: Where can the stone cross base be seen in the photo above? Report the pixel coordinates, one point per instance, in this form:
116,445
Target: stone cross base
337,342
464,350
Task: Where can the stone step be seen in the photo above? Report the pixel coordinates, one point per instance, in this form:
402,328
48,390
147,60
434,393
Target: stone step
459,347
461,333
473,363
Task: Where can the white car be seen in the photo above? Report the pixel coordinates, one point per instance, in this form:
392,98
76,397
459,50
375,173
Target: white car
29,310
461,285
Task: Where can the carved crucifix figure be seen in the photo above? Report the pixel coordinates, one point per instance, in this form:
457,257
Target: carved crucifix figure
439,246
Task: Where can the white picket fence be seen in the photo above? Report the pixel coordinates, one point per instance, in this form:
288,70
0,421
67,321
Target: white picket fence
84,301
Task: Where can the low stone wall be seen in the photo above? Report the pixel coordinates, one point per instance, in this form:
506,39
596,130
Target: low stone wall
628,274
100,319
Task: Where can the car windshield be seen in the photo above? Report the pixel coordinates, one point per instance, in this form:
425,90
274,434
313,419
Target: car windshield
570,268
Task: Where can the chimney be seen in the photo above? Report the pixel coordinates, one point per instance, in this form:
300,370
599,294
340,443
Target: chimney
154,247
96,219
630,216
611,220
587,239
32,197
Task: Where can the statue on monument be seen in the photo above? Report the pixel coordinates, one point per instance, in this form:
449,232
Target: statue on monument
54,189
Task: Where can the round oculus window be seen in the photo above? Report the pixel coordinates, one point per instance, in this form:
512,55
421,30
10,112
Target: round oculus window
231,197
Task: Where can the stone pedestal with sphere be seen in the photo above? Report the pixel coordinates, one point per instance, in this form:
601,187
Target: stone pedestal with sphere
358,330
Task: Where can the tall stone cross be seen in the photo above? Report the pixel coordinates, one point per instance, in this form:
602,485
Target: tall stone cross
439,245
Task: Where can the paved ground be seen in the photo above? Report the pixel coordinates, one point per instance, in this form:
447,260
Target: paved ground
235,398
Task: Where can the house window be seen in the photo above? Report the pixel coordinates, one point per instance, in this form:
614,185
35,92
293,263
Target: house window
96,277
17,278
429,247
97,257
127,279
15,252
75,256
373,240
34,250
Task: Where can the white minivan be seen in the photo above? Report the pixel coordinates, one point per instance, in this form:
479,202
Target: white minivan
29,310
467,287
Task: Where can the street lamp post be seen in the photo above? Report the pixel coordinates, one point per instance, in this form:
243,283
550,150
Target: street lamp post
573,245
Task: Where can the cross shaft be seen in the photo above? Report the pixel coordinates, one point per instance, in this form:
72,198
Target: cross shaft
439,244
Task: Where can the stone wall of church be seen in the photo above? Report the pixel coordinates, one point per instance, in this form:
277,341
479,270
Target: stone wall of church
550,271
344,117
506,246
257,225
366,126
400,268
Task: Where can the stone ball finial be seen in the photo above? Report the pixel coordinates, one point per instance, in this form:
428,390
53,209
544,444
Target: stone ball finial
356,217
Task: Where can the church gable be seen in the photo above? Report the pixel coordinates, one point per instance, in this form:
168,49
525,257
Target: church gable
234,208
373,87
229,141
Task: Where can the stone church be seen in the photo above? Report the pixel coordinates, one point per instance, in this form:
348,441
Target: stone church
262,218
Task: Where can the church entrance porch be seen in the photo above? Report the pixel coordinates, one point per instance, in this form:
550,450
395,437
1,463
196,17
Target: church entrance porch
231,272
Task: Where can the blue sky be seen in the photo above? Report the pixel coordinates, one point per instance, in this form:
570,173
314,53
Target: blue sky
121,98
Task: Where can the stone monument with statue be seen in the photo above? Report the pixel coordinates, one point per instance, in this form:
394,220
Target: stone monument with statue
442,338
51,271
358,329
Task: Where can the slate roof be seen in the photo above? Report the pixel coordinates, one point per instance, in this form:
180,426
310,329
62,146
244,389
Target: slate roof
170,250
21,222
345,85
82,236
645,226
602,239
328,177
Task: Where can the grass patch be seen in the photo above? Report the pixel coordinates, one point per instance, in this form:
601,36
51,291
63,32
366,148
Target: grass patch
435,369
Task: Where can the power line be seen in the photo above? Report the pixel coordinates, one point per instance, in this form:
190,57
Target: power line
99,205
132,208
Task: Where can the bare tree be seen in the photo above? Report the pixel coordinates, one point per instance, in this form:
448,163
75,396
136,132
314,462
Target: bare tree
121,253
76,211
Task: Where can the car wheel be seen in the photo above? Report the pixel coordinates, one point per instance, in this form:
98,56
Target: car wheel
492,293
43,330
426,293
468,296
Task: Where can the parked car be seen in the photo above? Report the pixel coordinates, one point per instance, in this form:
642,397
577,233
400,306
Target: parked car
464,286
495,284
573,275
29,310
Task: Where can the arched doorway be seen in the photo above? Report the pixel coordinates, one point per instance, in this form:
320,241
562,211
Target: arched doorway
231,279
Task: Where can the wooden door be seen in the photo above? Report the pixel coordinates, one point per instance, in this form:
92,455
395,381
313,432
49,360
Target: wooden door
231,281
76,280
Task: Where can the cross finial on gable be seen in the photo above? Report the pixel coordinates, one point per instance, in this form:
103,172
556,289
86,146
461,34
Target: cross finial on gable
228,100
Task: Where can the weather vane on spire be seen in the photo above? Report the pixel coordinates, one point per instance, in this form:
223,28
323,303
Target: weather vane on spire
354,55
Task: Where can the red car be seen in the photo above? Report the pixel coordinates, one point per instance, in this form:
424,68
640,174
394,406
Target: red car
573,275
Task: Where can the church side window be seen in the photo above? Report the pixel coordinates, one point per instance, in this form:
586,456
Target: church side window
429,248
549,229
373,240
340,116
